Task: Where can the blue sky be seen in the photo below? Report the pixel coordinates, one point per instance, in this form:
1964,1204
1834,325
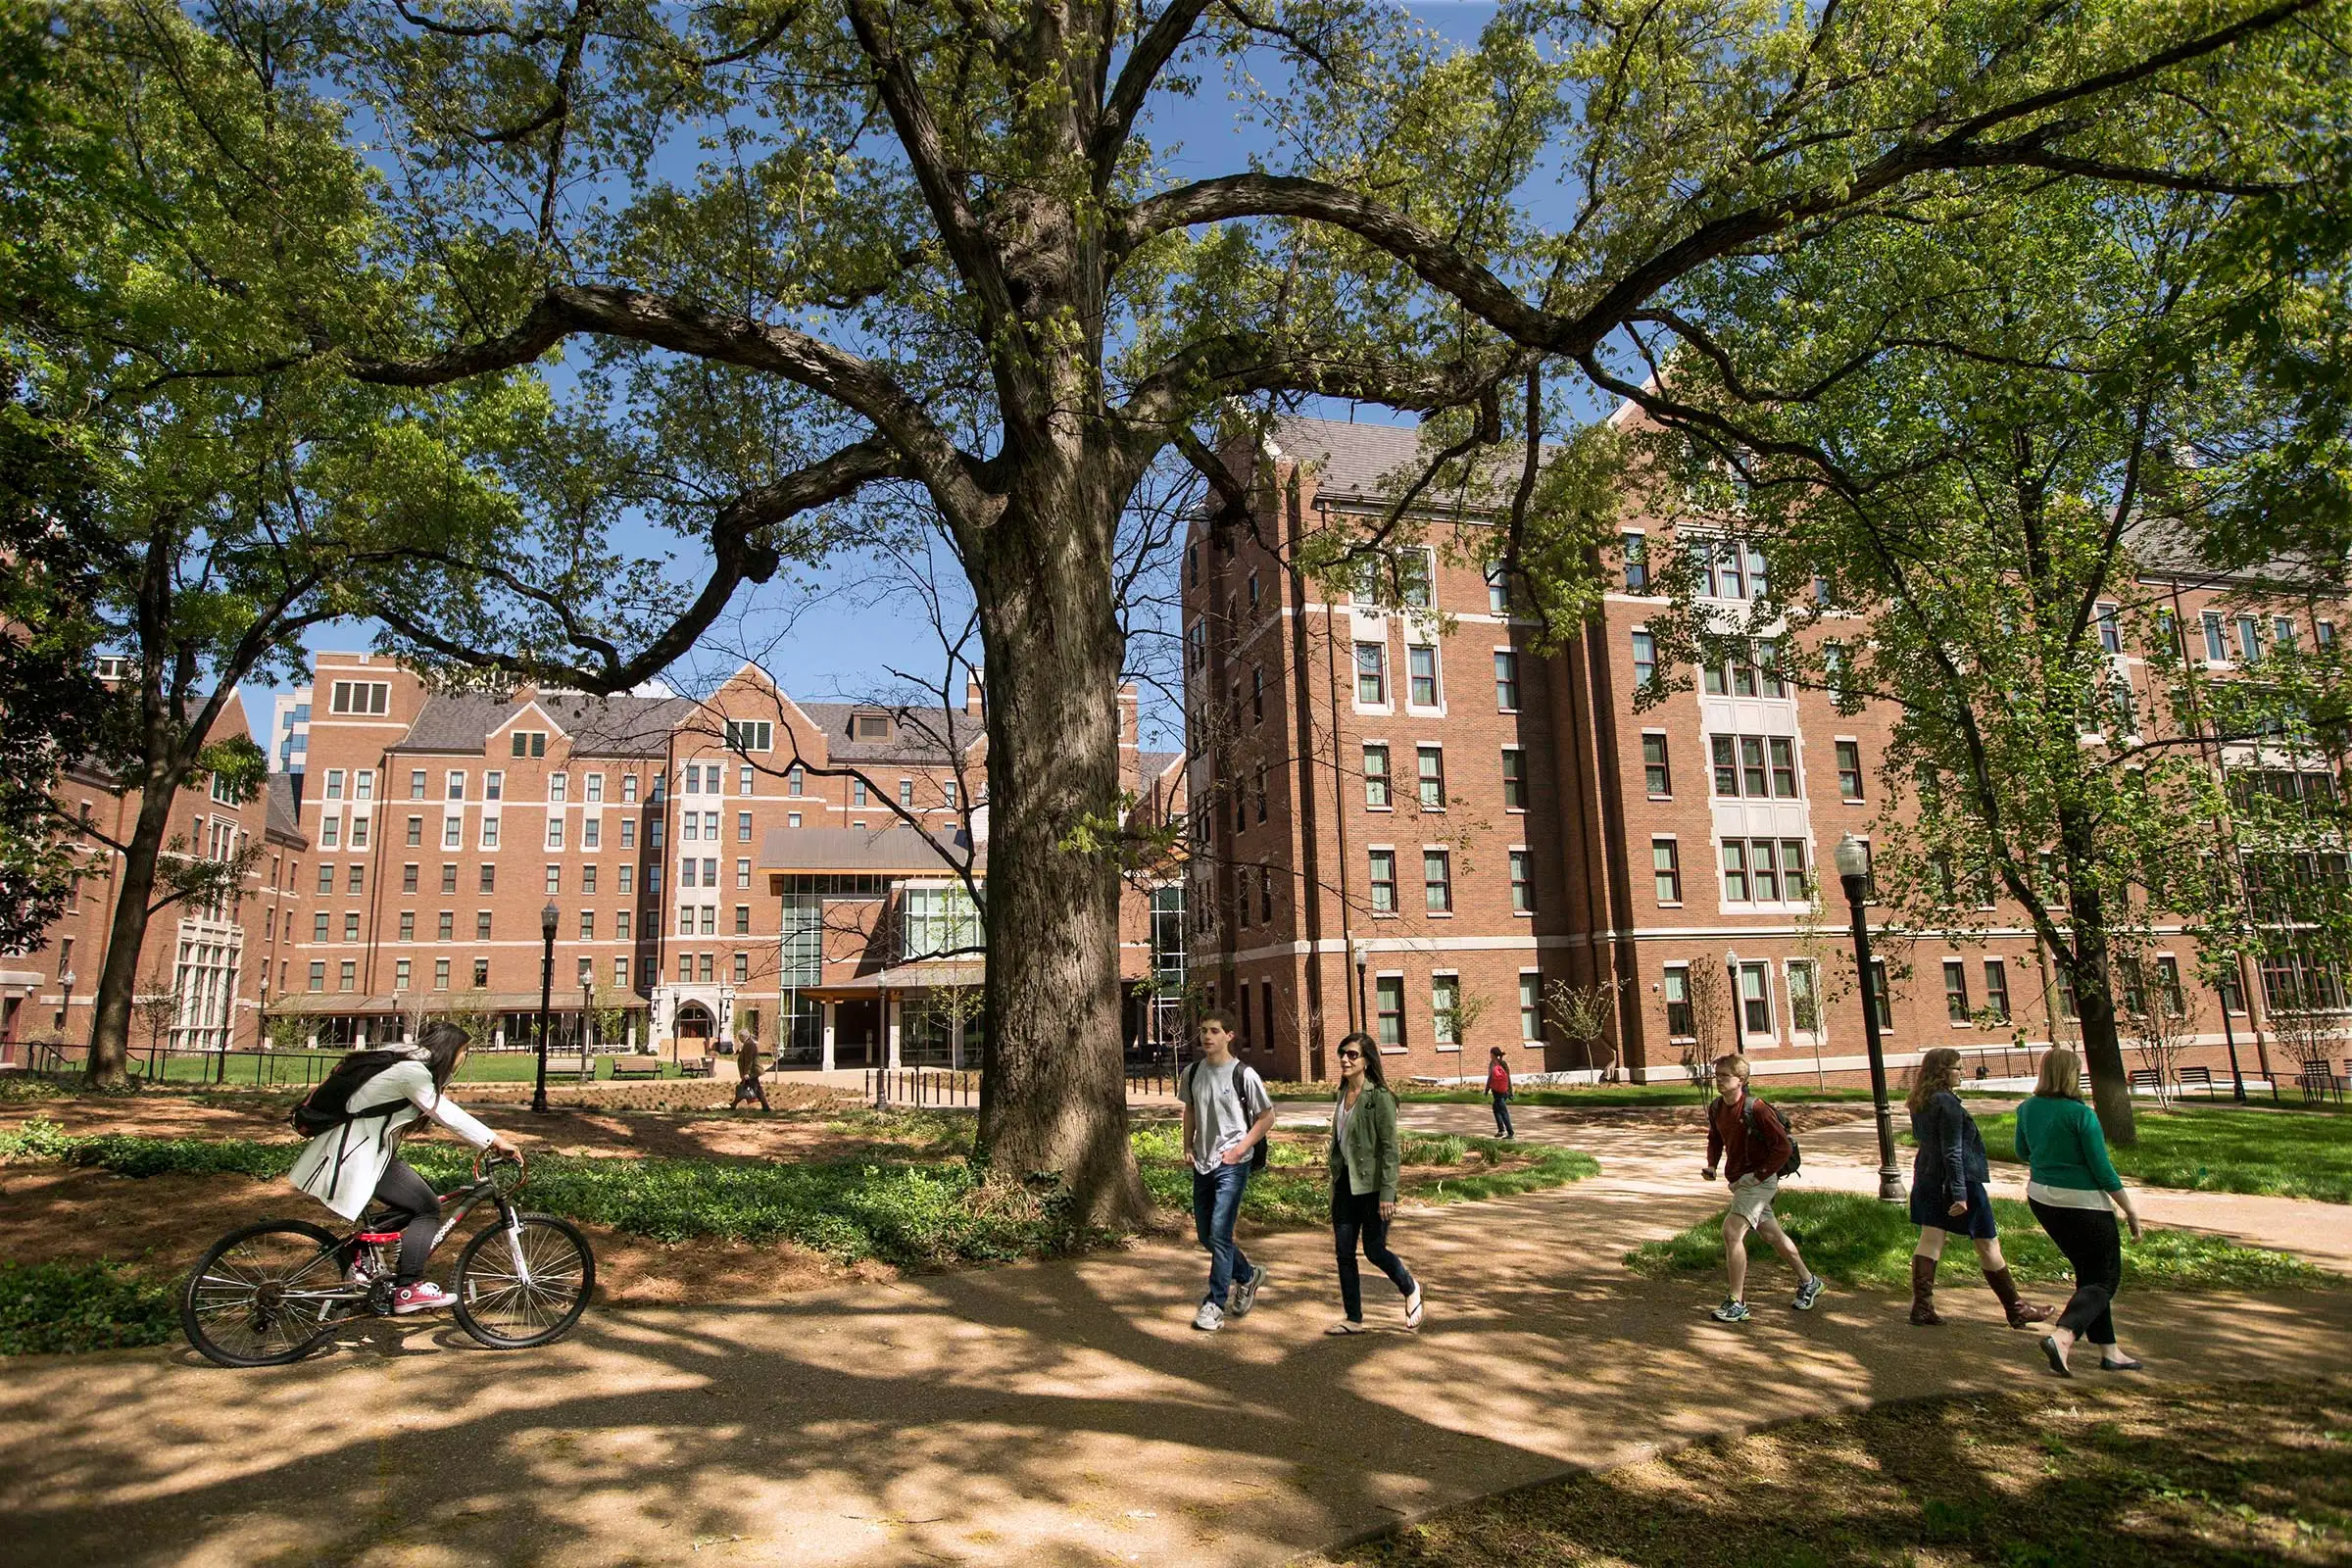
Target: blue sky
838,641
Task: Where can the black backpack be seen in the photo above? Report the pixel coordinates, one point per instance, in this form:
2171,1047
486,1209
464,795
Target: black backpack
326,1108
1257,1150
1747,1110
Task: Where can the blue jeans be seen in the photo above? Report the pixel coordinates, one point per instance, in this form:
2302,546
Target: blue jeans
1503,1115
1216,1204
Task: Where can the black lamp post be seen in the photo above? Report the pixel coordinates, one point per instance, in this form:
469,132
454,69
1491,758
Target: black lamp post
546,991
1853,870
1364,1012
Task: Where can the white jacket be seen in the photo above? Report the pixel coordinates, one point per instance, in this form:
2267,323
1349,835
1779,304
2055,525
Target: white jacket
341,1166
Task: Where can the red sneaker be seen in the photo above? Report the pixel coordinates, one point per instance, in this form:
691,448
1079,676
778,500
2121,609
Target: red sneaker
422,1297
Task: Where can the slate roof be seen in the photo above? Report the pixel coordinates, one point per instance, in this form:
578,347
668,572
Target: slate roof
284,819
1154,764
596,726
932,735
1373,462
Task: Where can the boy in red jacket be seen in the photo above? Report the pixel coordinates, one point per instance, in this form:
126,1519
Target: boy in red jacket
1747,1139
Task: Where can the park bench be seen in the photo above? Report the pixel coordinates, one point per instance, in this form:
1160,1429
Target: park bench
2197,1078
636,1066
2147,1078
2318,1082
697,1067
577,1066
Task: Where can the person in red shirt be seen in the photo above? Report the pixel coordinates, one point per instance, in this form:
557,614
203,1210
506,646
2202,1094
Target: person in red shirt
1498,1084
1747,1139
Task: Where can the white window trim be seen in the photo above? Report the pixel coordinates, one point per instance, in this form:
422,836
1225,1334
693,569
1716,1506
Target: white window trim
1453,1045
1508,850
1437,659
1388,678
1445,850
1679,870
1518,674
1526,781
1818,1036
1665,969
1537,975
1643,763
1405,1045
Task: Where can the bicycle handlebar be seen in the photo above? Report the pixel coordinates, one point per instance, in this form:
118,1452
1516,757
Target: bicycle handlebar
487,1164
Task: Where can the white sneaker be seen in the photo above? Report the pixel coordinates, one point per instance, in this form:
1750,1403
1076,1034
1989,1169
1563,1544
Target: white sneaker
1245,1291
422,1297
1210,1317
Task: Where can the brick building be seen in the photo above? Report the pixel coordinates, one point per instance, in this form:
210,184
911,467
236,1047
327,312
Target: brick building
206,974
1411,821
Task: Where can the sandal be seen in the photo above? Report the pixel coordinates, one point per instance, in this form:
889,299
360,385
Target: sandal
1346,1325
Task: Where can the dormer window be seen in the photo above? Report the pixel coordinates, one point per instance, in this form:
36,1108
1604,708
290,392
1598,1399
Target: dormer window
530,742
870,726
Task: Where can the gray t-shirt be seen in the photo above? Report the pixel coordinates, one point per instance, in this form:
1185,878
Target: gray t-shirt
1224,1100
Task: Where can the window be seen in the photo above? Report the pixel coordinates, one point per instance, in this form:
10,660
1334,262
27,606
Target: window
1530,1007
482,925
490,832
326,877
1506,681
1666,870
595,788
357,882
2111,635
1195,644
415,836
1784,768
743,873
334,784
1635,550
440,974
1755,998
1387,1001
453,788
2167,983
750,735
449,878
530,742
1376,777
319,926
1498,588
907,793
1655,774
794,780
856,791
555,832
417,784
2217,643
2249,638
686,865
1676,987
792,819
1850,770
743,921
555,880
318,974
744,777
1836,674
407,925
709,919
453,832
1996,990
1437,880
1646,661
1523,888
489,878
1793,885
587,879
1804,997
1384,881
1445,1008
1257,694
1955,990
628,789
346,974
1760,767
559,787
1265,894
1372,674
359,697
1752,780
628,874
1514,779
2325,631
2232,997
2282,637
620,924
330,832
481,973
399,975
1735,871
685,968
1429,763
592,833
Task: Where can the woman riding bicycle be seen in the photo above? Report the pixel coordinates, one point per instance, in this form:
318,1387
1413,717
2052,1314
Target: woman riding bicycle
358,1159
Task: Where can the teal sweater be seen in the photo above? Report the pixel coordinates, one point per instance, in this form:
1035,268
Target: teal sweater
2060,1140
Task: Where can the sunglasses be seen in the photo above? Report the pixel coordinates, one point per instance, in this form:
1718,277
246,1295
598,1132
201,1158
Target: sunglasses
1351,1056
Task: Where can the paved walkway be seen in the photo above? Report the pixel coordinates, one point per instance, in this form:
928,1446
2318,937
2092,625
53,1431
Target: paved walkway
1054,1413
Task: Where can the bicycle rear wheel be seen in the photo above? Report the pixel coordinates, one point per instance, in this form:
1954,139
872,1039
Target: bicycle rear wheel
264,1294
512,1298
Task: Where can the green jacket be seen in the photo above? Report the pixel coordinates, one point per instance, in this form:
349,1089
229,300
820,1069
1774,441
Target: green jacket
2060,1142
1371,1152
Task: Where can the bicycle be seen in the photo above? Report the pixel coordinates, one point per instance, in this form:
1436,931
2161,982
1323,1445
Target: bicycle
267,1294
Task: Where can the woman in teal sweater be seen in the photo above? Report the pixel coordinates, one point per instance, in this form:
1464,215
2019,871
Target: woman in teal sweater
2073,1192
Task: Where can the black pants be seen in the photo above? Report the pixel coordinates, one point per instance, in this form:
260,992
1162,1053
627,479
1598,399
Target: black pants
2094,1248
1502,1117
410,1207
749,1087
1355,1216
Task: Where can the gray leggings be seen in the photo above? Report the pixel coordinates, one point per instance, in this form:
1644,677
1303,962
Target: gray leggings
408,1205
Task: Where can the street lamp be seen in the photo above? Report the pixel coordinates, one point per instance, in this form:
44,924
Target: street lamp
1363,1014
547,991
1731,971
587,1013
1853,869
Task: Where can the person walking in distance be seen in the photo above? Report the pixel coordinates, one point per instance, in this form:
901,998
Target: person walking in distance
1498,1085
1745,1137
2073,1192
1365,1158
1947,1191
746,1070
1227,1113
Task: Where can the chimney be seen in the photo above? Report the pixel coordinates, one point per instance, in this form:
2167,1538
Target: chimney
972,699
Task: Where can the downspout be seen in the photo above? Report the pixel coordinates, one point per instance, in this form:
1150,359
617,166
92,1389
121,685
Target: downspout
1339,803
1301,702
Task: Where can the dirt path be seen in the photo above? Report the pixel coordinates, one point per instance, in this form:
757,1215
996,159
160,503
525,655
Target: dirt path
1052,1414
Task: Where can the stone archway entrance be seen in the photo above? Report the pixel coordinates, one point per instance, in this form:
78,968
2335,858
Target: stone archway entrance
694,1029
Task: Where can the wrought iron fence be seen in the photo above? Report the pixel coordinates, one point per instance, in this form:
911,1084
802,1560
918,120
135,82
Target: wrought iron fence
920,1088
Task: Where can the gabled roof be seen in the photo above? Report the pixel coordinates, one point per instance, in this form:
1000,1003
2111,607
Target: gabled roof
284,819
918,735
1373,462
596,726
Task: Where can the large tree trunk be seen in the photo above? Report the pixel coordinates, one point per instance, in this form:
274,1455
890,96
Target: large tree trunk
2094,1000
1053,1086
126,938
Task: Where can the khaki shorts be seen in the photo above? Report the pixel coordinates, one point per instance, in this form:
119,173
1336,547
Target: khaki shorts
1751,1199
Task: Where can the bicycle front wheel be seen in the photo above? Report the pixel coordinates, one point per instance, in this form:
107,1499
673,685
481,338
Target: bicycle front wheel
264,1294
526,1287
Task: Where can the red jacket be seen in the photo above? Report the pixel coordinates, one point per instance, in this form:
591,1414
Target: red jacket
1761,1156
1498,1079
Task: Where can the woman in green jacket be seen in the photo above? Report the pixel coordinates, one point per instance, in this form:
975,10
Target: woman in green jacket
2073,1192
1364,1157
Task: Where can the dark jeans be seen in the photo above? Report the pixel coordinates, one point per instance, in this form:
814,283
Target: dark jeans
410,1207
2094,1248
749,1088
1502,1117
1356,1216
1216,1204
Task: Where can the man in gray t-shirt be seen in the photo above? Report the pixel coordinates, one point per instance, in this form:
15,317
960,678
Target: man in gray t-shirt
1227,1113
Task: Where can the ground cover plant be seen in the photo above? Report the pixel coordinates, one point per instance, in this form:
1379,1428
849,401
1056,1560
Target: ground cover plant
2224,1149
1859,1241
2077,1476
51,1309
909,1204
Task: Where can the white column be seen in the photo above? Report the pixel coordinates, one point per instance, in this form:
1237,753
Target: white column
825,1058
889,1012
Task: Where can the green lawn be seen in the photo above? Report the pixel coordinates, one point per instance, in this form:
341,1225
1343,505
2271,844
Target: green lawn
901,1207
1859,1241
2223,1149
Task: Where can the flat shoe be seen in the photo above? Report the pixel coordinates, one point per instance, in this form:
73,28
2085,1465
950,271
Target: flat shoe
1345,1326
2119,1366
2049,1348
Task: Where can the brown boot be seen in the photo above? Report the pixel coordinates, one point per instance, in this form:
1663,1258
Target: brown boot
1923,1292
2022,1314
